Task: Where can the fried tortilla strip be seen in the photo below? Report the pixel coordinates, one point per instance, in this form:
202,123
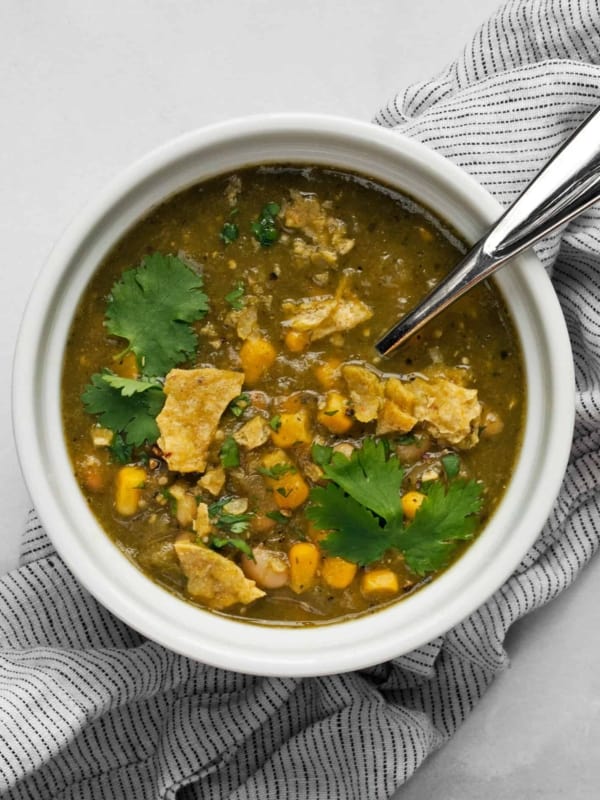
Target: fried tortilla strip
213,579
196,399
397,409
450,412
213,480
366,391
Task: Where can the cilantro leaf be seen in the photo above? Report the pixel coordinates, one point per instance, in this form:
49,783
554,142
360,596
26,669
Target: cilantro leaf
234,523
369,478
229,453
406,438
119,450
277,470
451,465
356,534
129,386
217,542
152,307
235,297
275,422
132,415
444,519
321,454
361,509
239,404
277,516
264,229
229,232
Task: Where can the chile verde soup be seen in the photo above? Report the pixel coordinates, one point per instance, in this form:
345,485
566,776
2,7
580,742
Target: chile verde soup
231,426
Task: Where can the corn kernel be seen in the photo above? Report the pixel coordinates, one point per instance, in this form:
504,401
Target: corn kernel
257,356
293,428
128,490
328,373
337,572
411,503
296,341
379,583
127,367
304,562
333,414
290,489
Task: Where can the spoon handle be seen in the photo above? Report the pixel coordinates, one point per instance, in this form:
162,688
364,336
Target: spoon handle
566,186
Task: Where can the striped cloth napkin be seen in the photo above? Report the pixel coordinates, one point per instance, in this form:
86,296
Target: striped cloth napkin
89,709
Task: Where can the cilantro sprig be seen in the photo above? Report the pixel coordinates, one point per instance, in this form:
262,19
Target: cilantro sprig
235,524
152,307
277,471
236,297
119,450
229,454
361,507
126,406
239,404
444,519
229,232
264,229
218,542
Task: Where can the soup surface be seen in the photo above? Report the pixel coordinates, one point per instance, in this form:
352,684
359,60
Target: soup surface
230,423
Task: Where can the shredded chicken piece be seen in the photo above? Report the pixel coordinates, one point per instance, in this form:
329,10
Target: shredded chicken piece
196,399
327,314
253,433
327,235
245,321
213,579
233,189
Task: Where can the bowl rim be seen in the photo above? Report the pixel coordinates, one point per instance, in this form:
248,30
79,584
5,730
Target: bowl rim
219,640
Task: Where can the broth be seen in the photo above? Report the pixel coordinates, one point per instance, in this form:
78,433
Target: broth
302,269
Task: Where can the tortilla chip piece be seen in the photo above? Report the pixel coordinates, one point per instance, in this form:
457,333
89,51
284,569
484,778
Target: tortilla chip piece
392,419
213,579
213,480
366,391
196,399
396,412
449,411
202,525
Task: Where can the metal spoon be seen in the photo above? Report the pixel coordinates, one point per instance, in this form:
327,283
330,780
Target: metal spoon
567,185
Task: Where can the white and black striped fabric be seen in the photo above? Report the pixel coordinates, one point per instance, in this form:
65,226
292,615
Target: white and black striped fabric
89,709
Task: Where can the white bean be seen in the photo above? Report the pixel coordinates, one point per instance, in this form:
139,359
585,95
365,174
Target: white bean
269,569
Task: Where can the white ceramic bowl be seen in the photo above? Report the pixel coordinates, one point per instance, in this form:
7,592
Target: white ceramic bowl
111,577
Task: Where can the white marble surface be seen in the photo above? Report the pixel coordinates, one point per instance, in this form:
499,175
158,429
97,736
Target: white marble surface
88,86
